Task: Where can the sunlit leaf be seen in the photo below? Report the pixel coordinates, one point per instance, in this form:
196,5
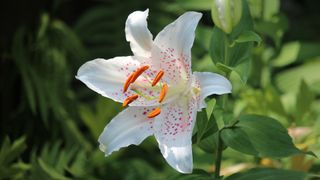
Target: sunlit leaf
304,101
296,51
289,79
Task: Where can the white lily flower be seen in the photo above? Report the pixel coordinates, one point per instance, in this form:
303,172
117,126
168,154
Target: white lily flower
158,85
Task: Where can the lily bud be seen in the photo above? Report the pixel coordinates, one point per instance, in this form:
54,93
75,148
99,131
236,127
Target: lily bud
226,14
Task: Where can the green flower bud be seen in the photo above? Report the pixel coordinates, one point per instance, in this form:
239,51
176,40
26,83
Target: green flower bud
226,14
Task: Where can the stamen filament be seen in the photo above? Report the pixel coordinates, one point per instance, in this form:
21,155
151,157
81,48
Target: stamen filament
154,113
138,73
129,100
127,83
157,78
163,92
142,95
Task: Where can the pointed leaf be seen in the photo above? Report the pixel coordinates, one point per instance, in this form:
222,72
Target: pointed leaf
248,36
268,174
259,135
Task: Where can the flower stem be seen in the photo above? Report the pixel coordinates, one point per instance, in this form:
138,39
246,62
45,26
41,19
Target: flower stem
218,157
226,50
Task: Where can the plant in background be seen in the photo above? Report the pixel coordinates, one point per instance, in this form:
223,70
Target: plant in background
265,129
158,85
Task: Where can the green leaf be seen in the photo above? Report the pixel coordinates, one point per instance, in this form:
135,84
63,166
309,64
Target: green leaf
208,139
202,120
296,51
259,135
288,54
210,106
20,55
224,68
206,126
203,34
195,4
209,144
304,100
236,54
51,172
274,29
289,79
96,119
248,36
10,151
270,9
91,29
220,50
268,174
56,161
10,165
273,101
198,174
243,70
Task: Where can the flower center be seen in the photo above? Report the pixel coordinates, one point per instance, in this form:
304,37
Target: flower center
156,82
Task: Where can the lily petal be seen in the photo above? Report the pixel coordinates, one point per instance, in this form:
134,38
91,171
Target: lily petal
172,47
173,131
138,34
211,83
107,77
131,126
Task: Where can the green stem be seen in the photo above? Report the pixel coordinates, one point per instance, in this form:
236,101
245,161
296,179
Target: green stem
224,104
224,101
218,157
226,50
226,62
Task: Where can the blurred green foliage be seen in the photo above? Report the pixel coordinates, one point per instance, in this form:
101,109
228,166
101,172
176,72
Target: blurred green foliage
50,122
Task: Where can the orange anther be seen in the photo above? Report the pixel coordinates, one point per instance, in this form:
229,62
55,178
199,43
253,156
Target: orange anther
129,100
163,92
154,113
138,73
127,83
157,78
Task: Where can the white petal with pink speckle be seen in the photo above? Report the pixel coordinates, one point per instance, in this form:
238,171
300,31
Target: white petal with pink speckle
170,52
